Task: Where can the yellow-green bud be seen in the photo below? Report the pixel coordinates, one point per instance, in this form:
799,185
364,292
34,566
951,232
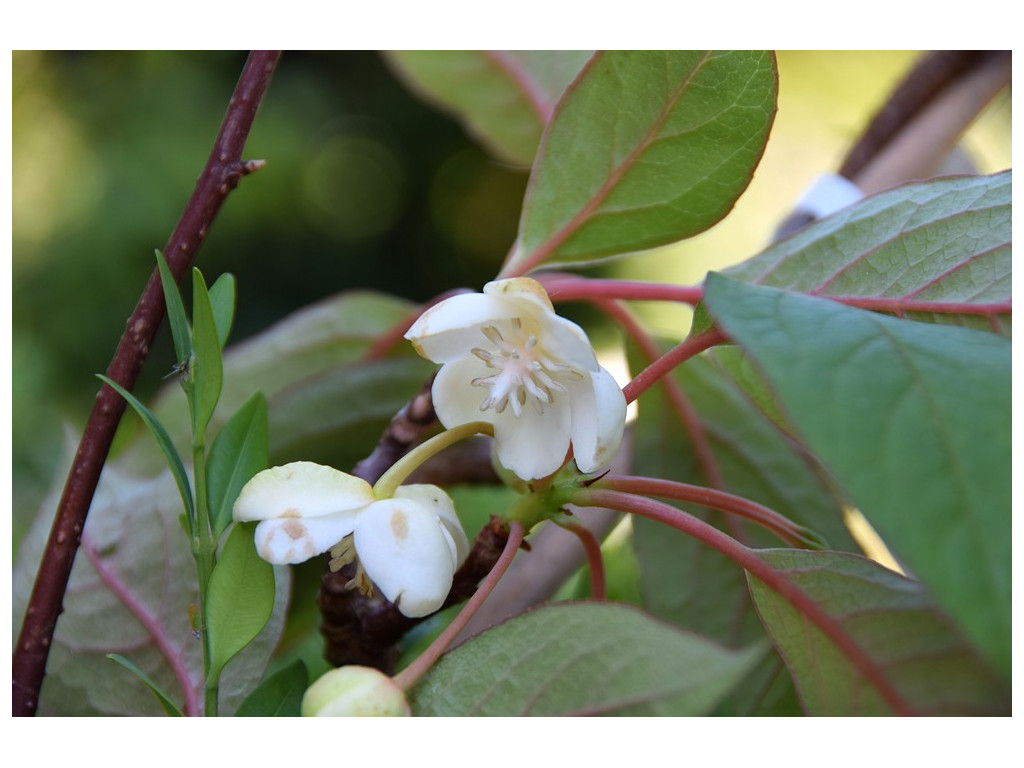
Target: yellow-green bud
354,692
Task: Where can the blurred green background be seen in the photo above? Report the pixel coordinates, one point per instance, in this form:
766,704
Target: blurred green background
365,187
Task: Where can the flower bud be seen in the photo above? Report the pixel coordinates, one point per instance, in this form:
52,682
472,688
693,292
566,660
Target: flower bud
354,692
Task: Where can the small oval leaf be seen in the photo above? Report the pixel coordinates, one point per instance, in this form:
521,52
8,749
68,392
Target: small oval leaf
239,452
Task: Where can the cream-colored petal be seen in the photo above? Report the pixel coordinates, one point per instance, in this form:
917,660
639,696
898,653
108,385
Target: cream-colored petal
533,445
521,289
301,489
437,501
598,419
405,549
456,400
449,330
294,540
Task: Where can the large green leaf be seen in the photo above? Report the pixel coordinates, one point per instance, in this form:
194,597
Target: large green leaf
947,241
646,148
505,98
280,695
582,659
913,420
915,661
130,593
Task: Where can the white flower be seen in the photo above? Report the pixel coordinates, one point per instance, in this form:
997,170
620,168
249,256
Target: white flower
542,387
409,546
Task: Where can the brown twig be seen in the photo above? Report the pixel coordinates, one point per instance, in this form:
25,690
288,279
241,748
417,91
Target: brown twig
223,170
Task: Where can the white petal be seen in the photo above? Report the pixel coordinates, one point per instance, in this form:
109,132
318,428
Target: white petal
456,400
295,540
406,551
437,501
449,330
521,289
598,419
533,445
566,342
300,490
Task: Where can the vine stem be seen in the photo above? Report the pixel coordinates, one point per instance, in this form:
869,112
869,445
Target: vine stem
748,559
222,172
675,356
729,503
595,560
409,676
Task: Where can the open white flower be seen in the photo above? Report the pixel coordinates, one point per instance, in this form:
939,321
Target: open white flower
409,545
542,387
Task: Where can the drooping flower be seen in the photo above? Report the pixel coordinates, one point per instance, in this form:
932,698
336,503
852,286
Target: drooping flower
508,359
408,546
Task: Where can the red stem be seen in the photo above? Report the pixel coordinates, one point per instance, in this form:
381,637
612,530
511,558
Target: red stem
409,676
222,173
566,288
673,391
675,356
595,560
747,559
711,498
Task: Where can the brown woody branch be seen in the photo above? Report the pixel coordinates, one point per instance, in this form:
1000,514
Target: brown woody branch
223,170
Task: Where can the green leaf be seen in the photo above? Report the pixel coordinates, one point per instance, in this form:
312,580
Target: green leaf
169,706
946,240
239,452
207,370
131,587
292,354
337,417
280,695
222,302
582,658
915,661
505,98
163,441
913,420
176,316
646,148
240,597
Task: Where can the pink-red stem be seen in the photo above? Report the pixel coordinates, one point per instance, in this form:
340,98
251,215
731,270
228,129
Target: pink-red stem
708,497
595,561
409,676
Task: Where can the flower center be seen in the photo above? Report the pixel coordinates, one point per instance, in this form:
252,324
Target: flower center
522,371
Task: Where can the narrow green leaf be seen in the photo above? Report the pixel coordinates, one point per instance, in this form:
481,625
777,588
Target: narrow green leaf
239,452
582,659
207,370
169,706
280,695
916,660
505,98
913,420
176,315
947,240
240,597
646,148
163,441
222,301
